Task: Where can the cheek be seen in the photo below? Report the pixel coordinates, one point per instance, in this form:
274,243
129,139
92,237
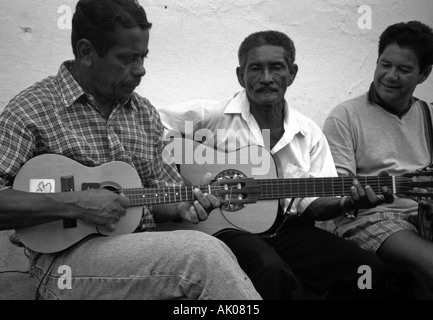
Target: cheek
377,74
250,83
410,85
252,79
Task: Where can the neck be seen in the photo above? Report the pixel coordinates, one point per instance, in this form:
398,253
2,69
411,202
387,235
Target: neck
103,105
268,116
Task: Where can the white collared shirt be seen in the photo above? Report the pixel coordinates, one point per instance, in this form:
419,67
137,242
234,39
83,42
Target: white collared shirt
301,152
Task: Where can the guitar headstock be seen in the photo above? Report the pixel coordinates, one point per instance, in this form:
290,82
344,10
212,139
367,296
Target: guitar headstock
235,190
416,184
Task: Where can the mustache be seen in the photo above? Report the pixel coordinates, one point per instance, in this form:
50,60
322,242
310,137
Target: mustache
261,89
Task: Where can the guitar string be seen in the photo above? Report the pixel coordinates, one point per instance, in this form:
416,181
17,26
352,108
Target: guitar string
227,219
283,193
300,181
303,187
273,183
298,187
187,192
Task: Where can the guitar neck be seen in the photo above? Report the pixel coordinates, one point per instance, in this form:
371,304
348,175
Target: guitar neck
160,195
318,187
269,189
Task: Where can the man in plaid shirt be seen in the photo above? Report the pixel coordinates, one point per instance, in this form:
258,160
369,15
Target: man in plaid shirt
89,112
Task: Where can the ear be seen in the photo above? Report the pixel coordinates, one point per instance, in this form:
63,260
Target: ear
240,75
85,51
425,74
293,72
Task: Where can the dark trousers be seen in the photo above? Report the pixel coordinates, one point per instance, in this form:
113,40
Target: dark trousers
302,253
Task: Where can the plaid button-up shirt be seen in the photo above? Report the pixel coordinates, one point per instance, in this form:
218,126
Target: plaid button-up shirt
56,116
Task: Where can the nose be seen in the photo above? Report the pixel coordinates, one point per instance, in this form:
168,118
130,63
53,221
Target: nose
392,74
266,77
138,69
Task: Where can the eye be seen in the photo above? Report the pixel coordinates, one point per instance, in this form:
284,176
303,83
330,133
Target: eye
406,70
127,59
255,68
277,67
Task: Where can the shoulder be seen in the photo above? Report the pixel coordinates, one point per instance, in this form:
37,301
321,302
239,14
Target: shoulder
352,104
202,106
305,123
30,99
147,114
143,104
351,108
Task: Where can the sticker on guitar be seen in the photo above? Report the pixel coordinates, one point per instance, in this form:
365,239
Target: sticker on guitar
42,186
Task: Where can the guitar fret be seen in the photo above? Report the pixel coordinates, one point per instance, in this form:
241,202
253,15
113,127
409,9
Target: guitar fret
376,185
342,183
268,189
332,183
314,186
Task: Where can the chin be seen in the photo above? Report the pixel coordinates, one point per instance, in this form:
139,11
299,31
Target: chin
126,92
268,100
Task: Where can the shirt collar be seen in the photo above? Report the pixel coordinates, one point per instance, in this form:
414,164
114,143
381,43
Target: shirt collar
291,123
373,97
71,91
239,105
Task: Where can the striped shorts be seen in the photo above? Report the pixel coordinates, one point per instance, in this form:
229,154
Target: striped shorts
372,231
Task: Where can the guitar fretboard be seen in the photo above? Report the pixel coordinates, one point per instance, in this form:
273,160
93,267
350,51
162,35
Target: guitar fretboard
319,187
269,189
147,196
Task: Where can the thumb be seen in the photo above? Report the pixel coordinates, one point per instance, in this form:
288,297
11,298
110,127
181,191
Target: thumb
124,201
206,179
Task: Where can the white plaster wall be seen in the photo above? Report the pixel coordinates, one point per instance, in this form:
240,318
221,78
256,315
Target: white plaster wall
193,48
194,43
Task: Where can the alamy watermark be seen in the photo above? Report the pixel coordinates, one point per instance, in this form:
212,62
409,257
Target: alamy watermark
64,22
65,280
365,20
365,280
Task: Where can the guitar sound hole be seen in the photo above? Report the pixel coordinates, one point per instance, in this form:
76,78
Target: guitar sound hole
111,186
113,189
230,174
233,207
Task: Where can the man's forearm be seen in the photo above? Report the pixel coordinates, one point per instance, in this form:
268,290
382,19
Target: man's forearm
327,208
20,209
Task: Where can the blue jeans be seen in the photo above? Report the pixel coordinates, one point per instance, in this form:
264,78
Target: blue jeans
148,265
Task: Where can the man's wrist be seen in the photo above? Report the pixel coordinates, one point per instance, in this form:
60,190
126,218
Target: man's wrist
349,214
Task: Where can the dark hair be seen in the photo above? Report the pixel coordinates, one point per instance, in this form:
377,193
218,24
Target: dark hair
412,35
96,20
270,37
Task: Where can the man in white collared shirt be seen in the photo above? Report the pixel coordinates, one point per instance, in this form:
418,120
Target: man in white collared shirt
302,151
260,115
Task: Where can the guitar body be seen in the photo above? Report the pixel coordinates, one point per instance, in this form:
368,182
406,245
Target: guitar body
44,174
198,159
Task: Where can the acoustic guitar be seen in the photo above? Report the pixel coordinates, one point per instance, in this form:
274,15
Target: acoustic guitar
249,196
